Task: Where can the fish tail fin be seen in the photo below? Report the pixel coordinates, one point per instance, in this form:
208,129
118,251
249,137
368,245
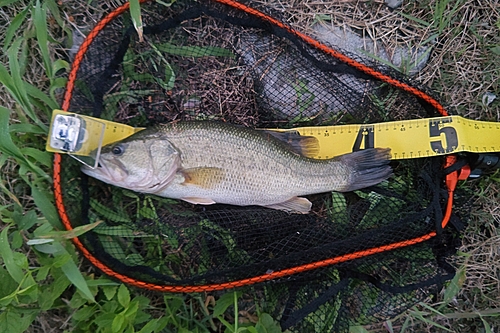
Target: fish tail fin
370,167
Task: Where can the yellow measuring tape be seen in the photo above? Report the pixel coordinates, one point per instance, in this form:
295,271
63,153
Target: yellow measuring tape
79,135
408,138
82,135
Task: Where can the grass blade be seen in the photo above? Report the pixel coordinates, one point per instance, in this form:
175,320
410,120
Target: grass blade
37,94
7,82
26,128
13,26
8,257
46,206
6,145
40,20
420,315
10,149
357,329
456,284
53,8
7,2
409,17
16,84
194,51
11,195
62,235
41,156
487,326
135,13
73,274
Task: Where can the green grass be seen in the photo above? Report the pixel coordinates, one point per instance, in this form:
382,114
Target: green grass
45,285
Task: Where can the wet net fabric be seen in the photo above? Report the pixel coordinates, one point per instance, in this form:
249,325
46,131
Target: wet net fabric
352,260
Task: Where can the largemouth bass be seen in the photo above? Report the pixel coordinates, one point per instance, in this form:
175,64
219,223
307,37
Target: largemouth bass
207,163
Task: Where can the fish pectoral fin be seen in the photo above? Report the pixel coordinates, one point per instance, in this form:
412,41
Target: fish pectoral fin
307,146
199,201
205,177
295,204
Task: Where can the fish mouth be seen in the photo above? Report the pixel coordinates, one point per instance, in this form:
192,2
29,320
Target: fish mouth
108,171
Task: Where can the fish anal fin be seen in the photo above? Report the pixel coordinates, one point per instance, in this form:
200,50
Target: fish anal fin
307,146
204,177
295,204
199,201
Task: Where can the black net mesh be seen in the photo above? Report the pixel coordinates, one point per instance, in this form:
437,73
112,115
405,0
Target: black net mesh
204,61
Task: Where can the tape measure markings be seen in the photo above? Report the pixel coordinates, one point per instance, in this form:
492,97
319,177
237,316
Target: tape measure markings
407,138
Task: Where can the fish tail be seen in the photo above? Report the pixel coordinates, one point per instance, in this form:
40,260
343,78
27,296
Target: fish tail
370,167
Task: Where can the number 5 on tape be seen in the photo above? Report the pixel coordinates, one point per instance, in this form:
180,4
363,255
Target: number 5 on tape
436,129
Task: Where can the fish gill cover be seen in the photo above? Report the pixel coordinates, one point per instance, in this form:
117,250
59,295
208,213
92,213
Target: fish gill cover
357,257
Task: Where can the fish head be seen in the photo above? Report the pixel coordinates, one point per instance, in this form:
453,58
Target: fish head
145,165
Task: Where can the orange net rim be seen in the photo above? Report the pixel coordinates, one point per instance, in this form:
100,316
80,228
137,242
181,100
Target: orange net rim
451,179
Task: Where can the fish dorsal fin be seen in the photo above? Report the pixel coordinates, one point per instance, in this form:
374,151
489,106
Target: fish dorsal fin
307,146
295,204
205,177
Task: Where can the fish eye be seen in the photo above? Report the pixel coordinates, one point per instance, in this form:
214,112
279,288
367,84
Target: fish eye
118,150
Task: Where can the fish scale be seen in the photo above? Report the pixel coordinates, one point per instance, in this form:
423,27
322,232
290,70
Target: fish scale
210,162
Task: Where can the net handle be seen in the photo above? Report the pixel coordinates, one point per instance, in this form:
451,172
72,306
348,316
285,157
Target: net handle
451,179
